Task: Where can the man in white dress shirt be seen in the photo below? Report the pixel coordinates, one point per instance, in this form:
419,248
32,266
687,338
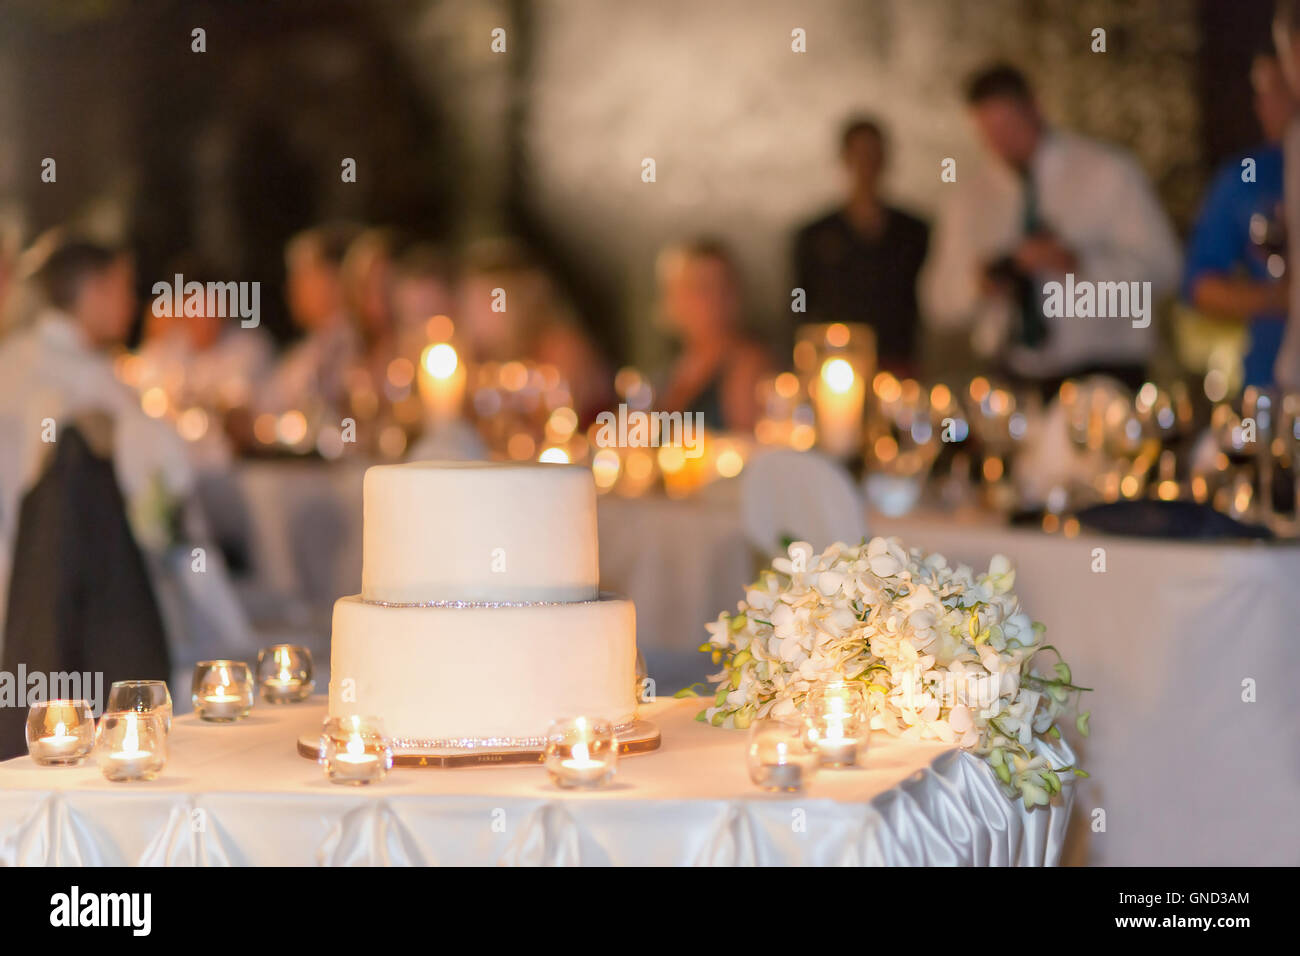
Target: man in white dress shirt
1051,207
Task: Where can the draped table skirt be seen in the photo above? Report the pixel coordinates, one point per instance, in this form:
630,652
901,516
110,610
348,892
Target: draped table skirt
235,795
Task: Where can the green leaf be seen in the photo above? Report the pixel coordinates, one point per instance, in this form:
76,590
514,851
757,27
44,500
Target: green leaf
1080,773
1063,671
688,691
720,697
718,719
1081,722
700,716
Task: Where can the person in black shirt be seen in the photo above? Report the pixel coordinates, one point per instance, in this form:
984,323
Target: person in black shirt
859,263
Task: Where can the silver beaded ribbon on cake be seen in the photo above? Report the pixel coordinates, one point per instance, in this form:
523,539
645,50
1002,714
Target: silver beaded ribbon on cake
484,604
483,743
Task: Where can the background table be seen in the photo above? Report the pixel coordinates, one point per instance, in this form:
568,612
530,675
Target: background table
1184,770
240,794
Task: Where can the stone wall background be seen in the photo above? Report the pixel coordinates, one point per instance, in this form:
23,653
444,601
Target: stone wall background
743,131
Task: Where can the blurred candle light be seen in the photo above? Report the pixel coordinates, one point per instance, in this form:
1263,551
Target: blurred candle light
264,428
605,468
439,328
730,462
787,385
521,446
154,402
639,469
803,437
442,382
291,428
514,376
561,424
192,424
839,401
401,372
392,442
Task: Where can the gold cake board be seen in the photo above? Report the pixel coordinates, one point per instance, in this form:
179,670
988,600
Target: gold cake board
641,738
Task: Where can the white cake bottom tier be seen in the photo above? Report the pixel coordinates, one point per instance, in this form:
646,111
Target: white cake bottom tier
440,673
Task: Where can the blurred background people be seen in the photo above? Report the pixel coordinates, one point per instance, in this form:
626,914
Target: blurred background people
1236,263
718,365
510,309
860,261
1050,203
204,359
61,367
314,370
1286,37
424,286
8,257
367,277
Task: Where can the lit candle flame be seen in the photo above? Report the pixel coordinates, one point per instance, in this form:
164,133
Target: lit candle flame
441,360
838,375
131,740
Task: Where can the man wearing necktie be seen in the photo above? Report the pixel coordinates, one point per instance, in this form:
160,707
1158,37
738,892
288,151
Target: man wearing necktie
1050,204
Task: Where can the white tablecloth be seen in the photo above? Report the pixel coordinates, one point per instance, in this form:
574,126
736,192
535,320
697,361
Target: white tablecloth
1184,770
240,794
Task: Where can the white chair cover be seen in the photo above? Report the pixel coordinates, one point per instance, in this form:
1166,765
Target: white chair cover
804,496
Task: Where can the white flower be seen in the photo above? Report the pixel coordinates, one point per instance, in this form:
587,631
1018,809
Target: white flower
941,649
829,583
885,557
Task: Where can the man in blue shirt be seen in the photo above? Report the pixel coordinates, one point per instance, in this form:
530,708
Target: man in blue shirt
1236,258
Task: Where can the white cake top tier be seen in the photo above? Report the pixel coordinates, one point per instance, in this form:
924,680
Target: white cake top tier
479,531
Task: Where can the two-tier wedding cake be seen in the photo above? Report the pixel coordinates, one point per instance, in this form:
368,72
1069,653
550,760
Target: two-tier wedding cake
479,619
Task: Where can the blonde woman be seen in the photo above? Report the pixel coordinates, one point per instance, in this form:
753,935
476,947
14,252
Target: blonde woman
719,365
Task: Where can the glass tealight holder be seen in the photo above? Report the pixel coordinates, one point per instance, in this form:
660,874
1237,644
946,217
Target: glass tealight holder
837,723
355,750
222,691
781,757
581,753
131,745
60,733
284,673
142,696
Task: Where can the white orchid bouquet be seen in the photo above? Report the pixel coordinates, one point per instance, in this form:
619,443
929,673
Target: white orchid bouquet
941,653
